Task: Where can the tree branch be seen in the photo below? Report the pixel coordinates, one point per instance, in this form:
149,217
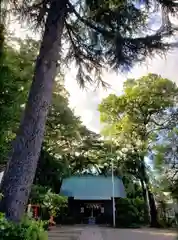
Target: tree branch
88,23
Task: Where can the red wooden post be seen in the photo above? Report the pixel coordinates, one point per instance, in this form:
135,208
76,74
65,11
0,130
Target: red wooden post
36,211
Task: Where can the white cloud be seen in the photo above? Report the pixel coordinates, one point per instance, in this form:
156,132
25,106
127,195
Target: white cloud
85,102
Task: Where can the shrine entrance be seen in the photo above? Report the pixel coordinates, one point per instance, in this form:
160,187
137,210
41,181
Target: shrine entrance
92,212
93,209
85,211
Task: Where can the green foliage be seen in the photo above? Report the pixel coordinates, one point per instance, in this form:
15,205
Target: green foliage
130,212
135,120
27,229
63,128
165,161
51,170
65,134
37,194
54,203
62,125
142,109
16,73
165,219
101,34
50,203
68,146
116,45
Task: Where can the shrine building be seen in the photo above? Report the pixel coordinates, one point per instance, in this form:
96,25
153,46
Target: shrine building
90,197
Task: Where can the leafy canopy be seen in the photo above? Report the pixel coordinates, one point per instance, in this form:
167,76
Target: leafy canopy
15,78
147,106
139,118
104,34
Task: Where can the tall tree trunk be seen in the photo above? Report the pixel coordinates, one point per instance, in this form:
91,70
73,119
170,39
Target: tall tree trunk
2,31
20,171
58,188
146,209
151,200
153,209
1,41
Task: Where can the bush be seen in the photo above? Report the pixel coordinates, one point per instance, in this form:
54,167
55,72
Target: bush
129,212
167,223
54,203
27,229
37,194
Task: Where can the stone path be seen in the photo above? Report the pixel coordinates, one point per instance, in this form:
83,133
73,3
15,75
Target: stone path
137,234
65,233
91,233
104,233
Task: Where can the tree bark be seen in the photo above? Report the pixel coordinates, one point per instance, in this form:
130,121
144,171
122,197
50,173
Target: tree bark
146,207
153,210
20,171
151,200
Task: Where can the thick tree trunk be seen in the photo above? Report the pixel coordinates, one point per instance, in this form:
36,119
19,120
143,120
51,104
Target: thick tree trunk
22,165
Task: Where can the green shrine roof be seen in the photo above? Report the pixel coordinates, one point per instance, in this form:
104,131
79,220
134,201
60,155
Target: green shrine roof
89,187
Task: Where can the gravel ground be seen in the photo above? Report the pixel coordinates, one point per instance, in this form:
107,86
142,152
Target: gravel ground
137,234
104,233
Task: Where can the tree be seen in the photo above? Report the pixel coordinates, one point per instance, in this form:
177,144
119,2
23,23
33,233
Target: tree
68,147
165,161
61,142
114,44
51,171
57,158
2,30
136,118
15,80
37,194
130,210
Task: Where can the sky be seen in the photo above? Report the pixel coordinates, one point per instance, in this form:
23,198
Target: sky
85,102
